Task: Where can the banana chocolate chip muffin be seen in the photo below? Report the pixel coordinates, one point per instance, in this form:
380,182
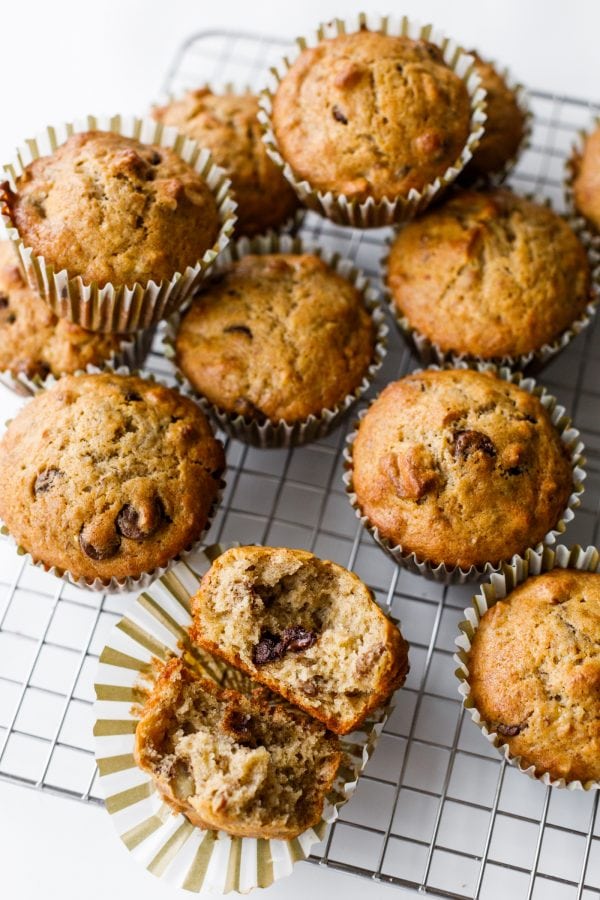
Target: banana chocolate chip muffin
460,467
108,476
489,274
534,673
585,166
227,125
504,127
111,209
35,342
277,337
369,114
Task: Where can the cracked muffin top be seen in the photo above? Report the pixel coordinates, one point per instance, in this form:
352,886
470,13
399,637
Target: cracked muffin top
34,341
489,274
586,180
227,125
111,209
371,115
460,467
534,673
277,337
108,475
504,126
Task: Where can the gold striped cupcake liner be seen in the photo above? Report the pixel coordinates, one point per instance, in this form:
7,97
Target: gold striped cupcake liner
284,434
129,583
569,436
376,213
500,585
165,843
115,307
430,353
591,232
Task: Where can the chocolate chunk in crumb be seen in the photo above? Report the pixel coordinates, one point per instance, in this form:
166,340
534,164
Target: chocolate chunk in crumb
508,730
468,442
237,724
46,479
338,115
268,648
297,638
4,301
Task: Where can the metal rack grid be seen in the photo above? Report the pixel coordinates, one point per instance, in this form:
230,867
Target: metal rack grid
436,810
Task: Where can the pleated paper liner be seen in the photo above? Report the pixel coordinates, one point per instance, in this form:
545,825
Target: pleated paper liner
116,307
371,213
130,583
455,574
283,434
534,562
165,843
132,352
591,231
430,353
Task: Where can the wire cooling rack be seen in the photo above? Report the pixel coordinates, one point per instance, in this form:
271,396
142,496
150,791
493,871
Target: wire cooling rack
436,809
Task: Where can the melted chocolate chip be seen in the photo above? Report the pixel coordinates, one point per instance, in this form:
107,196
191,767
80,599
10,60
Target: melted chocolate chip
338,115
45,480
297,638
508,730
129,522
271,647
4,301
238,329
104,552
468,442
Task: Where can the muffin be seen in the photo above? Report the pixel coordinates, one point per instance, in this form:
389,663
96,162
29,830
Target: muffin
227,125
33,341
277,337
534,673
586,178
113,210
235,763
459,468
108,476
304,627
371,115
505,126
489,275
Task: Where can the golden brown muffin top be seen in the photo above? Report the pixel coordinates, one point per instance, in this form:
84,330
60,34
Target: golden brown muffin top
108,475
534,672
504,126
371,115
111,209
33,341
489,274
586,183
227,125
277,337
460,467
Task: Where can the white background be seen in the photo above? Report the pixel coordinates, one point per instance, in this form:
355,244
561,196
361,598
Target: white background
61,59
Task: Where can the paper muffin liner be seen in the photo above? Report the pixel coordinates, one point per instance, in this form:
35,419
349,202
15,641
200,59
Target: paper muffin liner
166,843
129,583
510,576
132,352
570,437
494,179
376,213
116,307
429,352
283,434
588,229
290,225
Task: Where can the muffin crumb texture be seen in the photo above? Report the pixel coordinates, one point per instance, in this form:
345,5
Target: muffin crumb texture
236,763
586,181
534,673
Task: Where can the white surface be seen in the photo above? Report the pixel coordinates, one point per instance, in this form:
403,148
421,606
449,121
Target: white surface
70,58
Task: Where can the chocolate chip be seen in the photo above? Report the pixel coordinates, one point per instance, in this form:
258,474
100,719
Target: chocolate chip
238,329
139,221
399,68
338,115
11,318
155,158
130,521
267,649
515,470
297,638
45,480
237,724
4,301
104,552
508,730
132,397
468,442
271,647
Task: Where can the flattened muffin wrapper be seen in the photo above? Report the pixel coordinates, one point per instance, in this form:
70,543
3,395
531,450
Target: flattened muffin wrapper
283,434
166,843
376,213
130,583
116,307
430,353
455,574
499,586
132,352
587,228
